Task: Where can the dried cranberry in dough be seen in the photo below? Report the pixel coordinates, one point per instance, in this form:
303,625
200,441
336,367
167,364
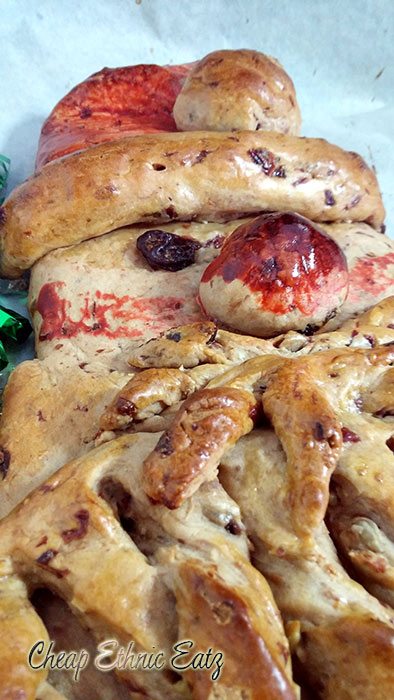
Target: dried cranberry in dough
276,273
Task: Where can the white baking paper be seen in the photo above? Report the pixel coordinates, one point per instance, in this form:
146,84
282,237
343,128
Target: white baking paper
339,54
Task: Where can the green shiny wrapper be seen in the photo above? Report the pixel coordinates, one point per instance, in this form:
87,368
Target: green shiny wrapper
4,170
13,326
3,357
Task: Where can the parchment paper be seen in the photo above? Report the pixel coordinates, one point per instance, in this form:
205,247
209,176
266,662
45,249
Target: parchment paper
339,54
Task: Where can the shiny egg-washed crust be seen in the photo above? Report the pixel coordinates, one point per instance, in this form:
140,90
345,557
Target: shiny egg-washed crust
65,404
293,396
206,425
306,422
184,176
185,576
199,343
237,90
331,416
176,468
59,406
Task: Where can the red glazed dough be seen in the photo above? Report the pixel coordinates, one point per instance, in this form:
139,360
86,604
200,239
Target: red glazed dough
276,273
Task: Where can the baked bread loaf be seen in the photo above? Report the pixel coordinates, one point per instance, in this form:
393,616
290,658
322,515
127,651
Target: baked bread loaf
239,90
157,178
177,464
90,302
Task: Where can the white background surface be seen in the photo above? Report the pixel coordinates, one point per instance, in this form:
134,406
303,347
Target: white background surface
339,54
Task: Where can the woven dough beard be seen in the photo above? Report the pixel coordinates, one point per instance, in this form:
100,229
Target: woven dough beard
329,401
97,308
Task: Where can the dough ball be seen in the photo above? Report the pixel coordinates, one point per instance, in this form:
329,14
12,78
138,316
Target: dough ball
238,90
276,273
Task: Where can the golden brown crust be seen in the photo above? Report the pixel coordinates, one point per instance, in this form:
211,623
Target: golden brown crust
204,343
206,175
207,424
35,398
311,587
21,628
37,390
144,395
297,398
380,315
359,659
310,433
237,90
303,420
185,346
77,528
213,610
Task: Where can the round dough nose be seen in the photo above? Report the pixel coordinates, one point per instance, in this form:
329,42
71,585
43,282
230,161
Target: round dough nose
238,90
276,273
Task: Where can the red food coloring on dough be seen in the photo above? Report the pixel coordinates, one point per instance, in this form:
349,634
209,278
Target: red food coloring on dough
106,314
349,436
111,104
373,276
284,258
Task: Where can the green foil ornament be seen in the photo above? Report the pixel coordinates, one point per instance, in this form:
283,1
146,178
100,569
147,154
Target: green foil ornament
13,326
3,357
